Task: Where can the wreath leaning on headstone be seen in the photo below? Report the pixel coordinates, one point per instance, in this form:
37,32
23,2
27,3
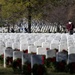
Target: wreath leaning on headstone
17,64
9,61
27,68
39,69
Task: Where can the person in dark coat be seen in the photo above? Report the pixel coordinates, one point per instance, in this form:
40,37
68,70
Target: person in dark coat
12,30
26,30
70,27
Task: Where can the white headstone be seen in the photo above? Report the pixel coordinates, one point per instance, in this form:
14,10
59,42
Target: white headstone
61,56
32,49
23,47
26,58
17,54
41,51
51,54
7,53
71,54
46,44
36,59
16,45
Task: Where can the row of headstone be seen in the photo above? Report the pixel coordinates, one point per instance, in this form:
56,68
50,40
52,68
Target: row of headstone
29,57
60,44
33,59
37,59
53,40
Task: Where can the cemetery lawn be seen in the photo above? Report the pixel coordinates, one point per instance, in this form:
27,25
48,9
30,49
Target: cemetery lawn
9,71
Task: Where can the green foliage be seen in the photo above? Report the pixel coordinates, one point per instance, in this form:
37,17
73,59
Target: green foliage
16,65
9,61
50,64
16,8
1,59
1,24
61,66
27,68
39,69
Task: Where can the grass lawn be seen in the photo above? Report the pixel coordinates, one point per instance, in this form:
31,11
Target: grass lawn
9,71
60,74
50,72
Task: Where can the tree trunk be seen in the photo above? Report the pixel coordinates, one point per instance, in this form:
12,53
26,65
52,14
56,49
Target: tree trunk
13,25
29,19
29,24
8,28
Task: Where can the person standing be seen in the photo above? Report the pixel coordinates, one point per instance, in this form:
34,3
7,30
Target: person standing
26,30
12,30
70,27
